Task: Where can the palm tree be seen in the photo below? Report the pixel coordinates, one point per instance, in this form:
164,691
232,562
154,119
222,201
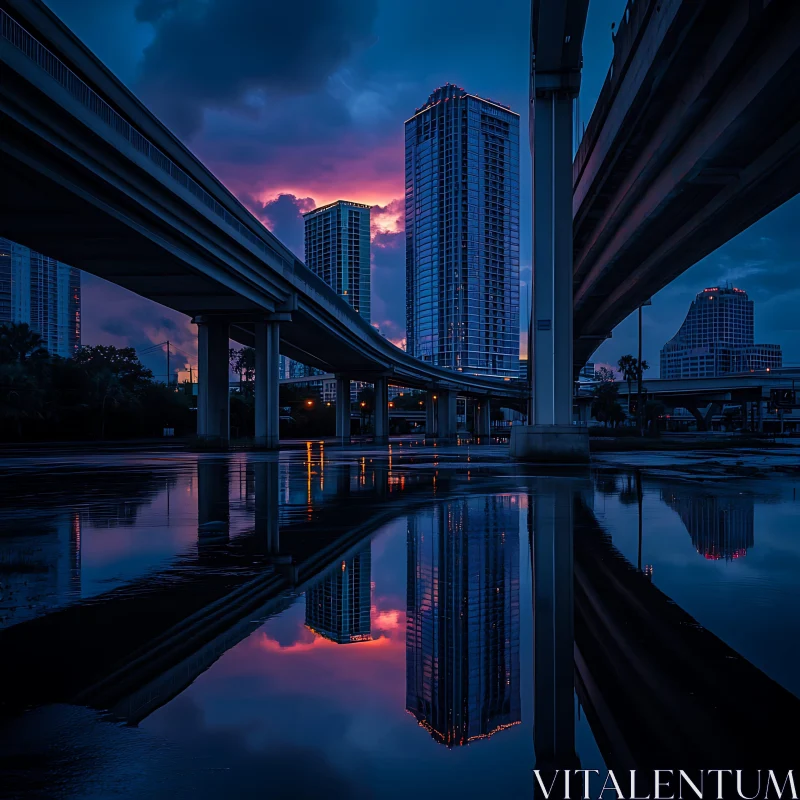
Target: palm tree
628,366
18,342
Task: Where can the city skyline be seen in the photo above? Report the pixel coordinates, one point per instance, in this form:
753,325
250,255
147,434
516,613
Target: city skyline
358,98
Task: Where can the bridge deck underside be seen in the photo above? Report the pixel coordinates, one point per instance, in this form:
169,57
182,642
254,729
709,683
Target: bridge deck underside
691,154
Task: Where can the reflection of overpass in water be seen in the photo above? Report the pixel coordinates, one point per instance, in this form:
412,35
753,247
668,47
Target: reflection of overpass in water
176,624
658,690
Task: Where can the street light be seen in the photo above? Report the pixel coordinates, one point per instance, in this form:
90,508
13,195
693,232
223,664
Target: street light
309,403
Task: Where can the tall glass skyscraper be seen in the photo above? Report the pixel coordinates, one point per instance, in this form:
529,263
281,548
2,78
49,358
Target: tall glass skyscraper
337,250
462,623
462,234
42,292
717,338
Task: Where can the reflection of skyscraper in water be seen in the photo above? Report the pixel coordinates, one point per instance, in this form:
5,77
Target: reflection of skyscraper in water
338,605
40,566
720,527
462,636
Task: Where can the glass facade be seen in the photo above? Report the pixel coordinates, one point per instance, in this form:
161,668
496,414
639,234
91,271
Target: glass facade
338,606
42,292
462,234
462,623
338,250
717,338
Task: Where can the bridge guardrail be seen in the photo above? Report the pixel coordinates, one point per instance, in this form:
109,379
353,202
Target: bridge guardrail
13,32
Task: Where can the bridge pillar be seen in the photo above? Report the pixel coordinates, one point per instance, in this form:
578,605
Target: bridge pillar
430,414
267,387
551,521
343,408
484,419
213,391
381,411
446,415
552,437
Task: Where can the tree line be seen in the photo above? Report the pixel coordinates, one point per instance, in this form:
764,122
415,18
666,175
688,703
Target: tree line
101,392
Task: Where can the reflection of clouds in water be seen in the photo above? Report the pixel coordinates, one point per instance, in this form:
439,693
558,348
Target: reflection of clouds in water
220,752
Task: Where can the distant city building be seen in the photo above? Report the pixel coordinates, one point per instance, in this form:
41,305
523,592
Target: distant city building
289,368
717,338
42,292
338,606
337,250
462,625
462,234
720,527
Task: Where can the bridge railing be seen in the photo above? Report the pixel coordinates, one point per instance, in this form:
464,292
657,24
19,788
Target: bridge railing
626,37
13,32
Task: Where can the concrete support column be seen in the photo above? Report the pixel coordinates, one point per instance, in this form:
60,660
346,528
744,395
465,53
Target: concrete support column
552,246
267,385
446,415
550,435
381,411
760,416
213,393
552,522
343,408
430,414
484,420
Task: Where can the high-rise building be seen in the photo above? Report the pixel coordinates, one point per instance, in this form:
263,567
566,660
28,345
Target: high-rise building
462,234
462,624
337,250
717,338
721,527
338,605
42,292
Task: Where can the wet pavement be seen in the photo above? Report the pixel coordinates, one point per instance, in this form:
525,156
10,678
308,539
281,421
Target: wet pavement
364,622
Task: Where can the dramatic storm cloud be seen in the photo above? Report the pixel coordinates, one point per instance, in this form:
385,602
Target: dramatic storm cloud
294,105
216,53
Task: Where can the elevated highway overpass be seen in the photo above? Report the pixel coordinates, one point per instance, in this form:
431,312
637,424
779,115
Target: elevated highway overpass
92,178
695,136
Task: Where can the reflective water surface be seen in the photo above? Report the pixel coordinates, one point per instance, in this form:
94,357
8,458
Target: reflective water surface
363,623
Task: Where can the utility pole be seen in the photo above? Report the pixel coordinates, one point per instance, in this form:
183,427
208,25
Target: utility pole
640,372
168,380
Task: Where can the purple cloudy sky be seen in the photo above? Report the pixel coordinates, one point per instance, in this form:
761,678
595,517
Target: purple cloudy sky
293,105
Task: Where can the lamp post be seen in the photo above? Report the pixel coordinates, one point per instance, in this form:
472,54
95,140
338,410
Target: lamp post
640,371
